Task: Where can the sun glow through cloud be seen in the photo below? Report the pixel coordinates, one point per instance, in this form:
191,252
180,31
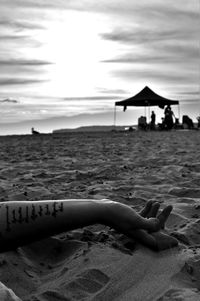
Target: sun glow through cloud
74,47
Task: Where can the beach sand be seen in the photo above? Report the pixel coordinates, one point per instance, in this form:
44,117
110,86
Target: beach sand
97,263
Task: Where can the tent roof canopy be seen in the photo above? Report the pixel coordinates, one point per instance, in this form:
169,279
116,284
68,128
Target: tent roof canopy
146,97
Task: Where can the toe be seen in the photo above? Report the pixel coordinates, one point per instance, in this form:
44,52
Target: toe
163,216
154,210
145,211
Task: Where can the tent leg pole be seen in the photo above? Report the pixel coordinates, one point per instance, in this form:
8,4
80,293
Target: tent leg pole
149,114
114,116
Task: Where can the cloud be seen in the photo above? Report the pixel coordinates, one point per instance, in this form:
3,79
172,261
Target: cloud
9,100
191,93
142,35
174,10
159,36
20,25
123,8
175,53
12,37
188,97
19,81
158,75
14,41
91,98
111,91
40,4
23,62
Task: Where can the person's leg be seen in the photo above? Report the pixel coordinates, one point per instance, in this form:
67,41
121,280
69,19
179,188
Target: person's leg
24,222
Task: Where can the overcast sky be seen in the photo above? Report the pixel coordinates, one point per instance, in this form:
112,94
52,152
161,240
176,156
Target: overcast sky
68,58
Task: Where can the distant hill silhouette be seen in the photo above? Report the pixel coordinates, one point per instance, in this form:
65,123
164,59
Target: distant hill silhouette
95,128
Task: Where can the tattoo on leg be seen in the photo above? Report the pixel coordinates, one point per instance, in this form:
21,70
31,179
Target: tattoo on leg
27,216
40,211
61,207
14,220
17,213
7,219
47,210
33,214
20,220
54,213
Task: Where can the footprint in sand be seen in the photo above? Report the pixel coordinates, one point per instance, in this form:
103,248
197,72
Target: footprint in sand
84,285
88,282
175,294
51,296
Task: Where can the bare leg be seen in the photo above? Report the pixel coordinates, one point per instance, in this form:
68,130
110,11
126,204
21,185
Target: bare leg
24,222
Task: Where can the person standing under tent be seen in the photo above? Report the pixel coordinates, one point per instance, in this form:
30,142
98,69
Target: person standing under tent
169,123
153,120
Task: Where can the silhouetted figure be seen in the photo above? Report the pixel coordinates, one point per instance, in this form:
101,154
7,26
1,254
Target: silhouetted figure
198,120
187,122
168,121
162,124
34,132
177,124
153,120
130,129
142,123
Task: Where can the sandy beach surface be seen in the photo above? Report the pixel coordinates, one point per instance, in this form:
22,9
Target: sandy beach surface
97,263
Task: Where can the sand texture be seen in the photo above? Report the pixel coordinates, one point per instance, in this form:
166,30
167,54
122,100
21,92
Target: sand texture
97,263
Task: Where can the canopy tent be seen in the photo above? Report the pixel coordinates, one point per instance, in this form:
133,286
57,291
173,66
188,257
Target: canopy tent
146,98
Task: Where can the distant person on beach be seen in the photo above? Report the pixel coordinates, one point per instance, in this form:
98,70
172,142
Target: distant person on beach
198,122
23,222
187,122
168,117
34,132
153,120
142,123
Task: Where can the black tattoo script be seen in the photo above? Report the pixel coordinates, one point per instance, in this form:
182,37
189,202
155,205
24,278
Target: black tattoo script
7,219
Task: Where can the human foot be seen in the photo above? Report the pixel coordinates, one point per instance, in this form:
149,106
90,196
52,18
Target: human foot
151,210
